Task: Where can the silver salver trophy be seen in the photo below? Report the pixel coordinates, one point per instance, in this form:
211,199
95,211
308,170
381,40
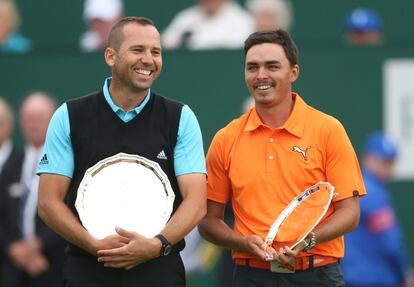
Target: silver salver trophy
124,190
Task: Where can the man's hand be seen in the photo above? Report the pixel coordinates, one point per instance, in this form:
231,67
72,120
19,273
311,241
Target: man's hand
110,242
284,255
19,252
139,250
37,265
27,255
256,246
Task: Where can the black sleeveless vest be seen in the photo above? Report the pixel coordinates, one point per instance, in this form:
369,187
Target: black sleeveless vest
97,132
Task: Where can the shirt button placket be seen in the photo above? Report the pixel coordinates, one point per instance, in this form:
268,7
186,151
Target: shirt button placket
271,155
271,140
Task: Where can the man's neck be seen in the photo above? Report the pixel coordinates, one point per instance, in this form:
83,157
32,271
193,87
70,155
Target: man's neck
126,99
275,116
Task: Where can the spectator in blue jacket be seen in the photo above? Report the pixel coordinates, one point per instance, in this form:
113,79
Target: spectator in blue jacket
11,41
375,255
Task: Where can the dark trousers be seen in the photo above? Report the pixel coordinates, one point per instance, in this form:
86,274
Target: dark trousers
83,271
11,276
225,269
324,276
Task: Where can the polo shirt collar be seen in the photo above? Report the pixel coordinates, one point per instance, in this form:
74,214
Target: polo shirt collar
296,121
253,121
115,107
294,125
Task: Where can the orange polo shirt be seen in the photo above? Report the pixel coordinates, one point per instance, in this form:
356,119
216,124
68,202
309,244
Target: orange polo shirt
261,171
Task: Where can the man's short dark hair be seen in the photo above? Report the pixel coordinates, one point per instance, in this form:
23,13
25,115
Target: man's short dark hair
279,37
116,36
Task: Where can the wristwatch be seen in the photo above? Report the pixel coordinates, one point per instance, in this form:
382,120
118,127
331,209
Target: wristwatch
311,243
166,247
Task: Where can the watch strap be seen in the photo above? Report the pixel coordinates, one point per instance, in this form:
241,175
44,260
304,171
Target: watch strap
165,245
311,243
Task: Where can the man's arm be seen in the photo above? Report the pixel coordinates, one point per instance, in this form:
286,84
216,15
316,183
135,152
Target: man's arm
214,229
191,210
56,214
344,219
141,249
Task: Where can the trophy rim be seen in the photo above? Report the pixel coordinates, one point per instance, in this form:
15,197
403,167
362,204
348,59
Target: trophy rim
111,162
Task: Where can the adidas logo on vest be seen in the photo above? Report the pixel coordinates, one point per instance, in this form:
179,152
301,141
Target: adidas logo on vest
162,155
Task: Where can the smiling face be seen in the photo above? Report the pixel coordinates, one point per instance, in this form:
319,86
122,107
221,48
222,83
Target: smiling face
137,62
269,75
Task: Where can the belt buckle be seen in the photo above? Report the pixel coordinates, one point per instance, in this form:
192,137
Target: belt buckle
277,267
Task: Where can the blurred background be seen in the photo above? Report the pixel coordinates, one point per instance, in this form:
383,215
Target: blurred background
367,82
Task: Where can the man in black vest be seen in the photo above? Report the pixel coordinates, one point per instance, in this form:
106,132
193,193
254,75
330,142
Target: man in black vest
125,116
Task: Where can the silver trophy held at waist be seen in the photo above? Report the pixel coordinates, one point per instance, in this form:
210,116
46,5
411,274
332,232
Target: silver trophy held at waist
124,190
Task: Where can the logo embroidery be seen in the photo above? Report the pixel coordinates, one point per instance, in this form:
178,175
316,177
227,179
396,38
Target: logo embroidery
44,160
162,155
304,153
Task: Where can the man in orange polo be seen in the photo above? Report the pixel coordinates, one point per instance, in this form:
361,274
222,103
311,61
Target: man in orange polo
265,158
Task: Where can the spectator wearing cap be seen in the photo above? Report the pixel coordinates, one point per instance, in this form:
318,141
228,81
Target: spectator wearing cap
100,16
364,26
375,253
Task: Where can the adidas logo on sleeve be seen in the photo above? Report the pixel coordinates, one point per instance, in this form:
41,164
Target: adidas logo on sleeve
44,160
162,155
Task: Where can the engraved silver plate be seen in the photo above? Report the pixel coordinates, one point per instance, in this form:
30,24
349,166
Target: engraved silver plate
124,190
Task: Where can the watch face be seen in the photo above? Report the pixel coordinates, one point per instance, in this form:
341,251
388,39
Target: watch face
167,249
310,246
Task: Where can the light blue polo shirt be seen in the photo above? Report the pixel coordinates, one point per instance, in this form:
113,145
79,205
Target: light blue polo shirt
58,157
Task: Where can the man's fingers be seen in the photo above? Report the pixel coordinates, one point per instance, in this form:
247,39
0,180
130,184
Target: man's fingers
271,254
112,259
258,251
125,233
285,255
112,252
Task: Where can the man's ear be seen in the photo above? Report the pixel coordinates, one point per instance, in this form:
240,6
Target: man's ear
110,55
294,75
